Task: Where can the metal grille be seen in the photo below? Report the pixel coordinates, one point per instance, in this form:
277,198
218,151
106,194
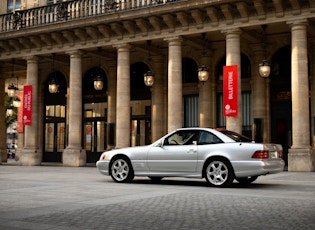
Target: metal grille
191,111
246,111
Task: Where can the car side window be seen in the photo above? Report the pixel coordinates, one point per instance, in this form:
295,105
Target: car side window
206,138
182,137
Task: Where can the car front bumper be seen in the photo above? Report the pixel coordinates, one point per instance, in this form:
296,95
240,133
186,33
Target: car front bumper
103,167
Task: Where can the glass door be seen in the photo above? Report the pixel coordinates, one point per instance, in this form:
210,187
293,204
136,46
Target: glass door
94,138
54,138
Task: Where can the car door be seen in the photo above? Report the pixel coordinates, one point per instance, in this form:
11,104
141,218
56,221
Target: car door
177,155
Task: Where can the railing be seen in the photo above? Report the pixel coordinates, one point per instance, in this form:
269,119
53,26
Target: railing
70,10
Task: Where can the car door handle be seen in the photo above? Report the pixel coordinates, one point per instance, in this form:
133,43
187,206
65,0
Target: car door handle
191,151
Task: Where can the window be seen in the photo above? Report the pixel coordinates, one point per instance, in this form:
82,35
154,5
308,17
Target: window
53,1
206,138
182,137
13,5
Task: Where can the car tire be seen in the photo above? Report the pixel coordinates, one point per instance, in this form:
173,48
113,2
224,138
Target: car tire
246,180
121,170
219,173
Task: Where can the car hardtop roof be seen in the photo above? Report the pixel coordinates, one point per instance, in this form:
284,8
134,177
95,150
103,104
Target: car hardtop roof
195,128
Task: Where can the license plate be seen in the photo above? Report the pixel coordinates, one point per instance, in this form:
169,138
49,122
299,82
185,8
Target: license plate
274,154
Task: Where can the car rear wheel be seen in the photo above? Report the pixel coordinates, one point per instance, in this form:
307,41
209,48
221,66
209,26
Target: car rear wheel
219,173
121,170
246,180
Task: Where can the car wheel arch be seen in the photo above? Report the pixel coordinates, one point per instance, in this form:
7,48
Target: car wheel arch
213,158
121,156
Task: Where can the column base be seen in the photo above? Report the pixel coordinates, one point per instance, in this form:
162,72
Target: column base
30,157
3,155
301,160
74,157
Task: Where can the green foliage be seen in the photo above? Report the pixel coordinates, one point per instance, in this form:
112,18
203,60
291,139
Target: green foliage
10,119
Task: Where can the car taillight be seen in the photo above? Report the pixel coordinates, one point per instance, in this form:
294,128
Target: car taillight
103,157
261,154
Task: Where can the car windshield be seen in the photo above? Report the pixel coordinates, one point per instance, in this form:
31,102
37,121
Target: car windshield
235,136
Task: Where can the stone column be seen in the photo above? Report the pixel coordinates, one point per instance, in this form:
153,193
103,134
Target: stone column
175,97
233,57
205,97
74,155
300,157
31,154
3,136
123,96
312,88
158,119
111,105
259,97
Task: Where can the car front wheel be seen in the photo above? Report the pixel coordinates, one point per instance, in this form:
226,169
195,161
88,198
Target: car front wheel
121,170
219,173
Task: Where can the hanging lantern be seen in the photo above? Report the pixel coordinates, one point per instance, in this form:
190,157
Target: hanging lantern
203,73
53,85
149,78
11,90
98,82
10,111
16,102
264,69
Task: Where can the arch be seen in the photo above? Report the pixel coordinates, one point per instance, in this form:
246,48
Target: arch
58,98
245,67
138,89
88,92
189,70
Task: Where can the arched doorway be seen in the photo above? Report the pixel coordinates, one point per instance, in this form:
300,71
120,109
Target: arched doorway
190,97
55,119
140,96
94,115
280,99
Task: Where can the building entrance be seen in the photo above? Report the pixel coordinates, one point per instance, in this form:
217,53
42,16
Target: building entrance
280,100
94,138
55,119
140,130
54,139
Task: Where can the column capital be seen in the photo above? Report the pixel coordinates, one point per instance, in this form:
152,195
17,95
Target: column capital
173,39
32,58
75,53
237,31
293,23
122,46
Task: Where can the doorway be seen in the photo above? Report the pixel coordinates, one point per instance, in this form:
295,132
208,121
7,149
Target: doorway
94,139
54,137
280,100
95,130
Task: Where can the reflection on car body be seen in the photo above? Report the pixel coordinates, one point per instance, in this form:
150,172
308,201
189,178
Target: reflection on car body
219,156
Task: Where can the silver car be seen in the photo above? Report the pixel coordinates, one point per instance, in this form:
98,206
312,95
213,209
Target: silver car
220,156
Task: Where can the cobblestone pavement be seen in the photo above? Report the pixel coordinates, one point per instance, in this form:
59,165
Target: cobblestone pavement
53,197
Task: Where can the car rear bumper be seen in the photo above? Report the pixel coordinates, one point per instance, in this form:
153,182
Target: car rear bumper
257,168
102,167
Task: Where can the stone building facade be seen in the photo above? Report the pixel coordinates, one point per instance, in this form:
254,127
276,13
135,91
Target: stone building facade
73,42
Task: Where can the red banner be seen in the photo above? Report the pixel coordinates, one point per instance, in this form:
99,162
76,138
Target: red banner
20,126
230,90
27,105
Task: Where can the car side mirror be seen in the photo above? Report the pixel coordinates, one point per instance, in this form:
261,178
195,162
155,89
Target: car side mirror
159,144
